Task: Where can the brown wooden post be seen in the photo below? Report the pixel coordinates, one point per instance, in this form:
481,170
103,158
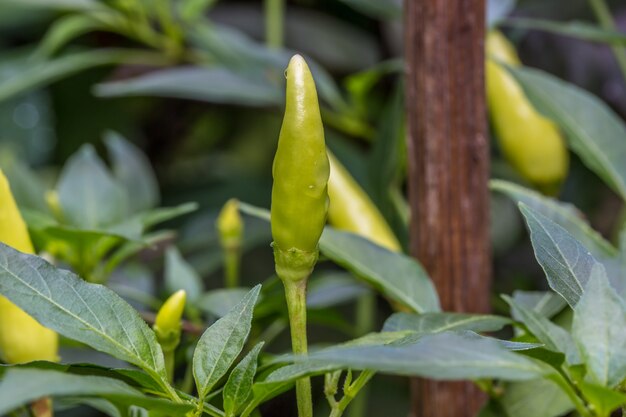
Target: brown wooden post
448,155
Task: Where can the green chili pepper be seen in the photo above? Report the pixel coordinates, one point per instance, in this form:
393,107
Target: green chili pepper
299,204
230,228
529,141
352,210
167,327
301,170
22,338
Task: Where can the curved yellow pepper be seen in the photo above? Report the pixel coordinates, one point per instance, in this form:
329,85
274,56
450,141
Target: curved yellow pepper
529,141
352,210
22,338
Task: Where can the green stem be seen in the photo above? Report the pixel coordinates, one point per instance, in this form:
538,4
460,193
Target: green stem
603,14
274,23
351,392
295,292
365,316
232,260
169,365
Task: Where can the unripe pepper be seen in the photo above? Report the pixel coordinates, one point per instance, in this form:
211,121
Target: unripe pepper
352,210
22,338
230,228
167,323
299,204
301,170
528,140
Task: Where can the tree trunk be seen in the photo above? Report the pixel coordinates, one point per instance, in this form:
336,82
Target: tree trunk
448,155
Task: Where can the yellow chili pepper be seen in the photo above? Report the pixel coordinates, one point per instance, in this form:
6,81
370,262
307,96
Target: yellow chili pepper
529,141
167,323
22,338
352,210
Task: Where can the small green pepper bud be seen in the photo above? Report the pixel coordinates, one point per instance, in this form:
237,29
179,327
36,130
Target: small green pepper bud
230,225
167,324
301,170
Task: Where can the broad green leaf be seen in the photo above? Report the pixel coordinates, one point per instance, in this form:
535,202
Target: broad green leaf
441,322
580,30
593,130
564,214
65,5
179,275
238,388
221,343
330,289
132,170
552,336
29,74
158,215
378,9
398,276
219,302
215,85
446,356
604,400
66,29
20,386
89,196
104,406
89,313
566,262
544,303
599,329
536,398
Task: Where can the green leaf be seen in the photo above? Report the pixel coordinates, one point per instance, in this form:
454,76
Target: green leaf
446,356
238,388
158,215
28,74
330,289
544,303
64,30
89,313
566,262
21,386
579,30
594,131
378,9
441,322
603,400
219,302
599,329
179,275
564,214
215,85
88,194
132,170
221,343
536,398
399,277
66,5
552,336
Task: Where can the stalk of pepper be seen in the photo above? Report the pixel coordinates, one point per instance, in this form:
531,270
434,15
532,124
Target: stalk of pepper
299,204
529,141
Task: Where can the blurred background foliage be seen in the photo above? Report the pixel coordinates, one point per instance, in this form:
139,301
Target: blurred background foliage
197,86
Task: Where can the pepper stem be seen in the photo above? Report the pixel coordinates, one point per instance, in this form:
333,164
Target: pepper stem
295,292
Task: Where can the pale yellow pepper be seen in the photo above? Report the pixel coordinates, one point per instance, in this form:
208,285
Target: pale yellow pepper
352,210
22,338
529,141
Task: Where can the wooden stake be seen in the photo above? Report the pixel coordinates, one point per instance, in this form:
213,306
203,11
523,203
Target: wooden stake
448,155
